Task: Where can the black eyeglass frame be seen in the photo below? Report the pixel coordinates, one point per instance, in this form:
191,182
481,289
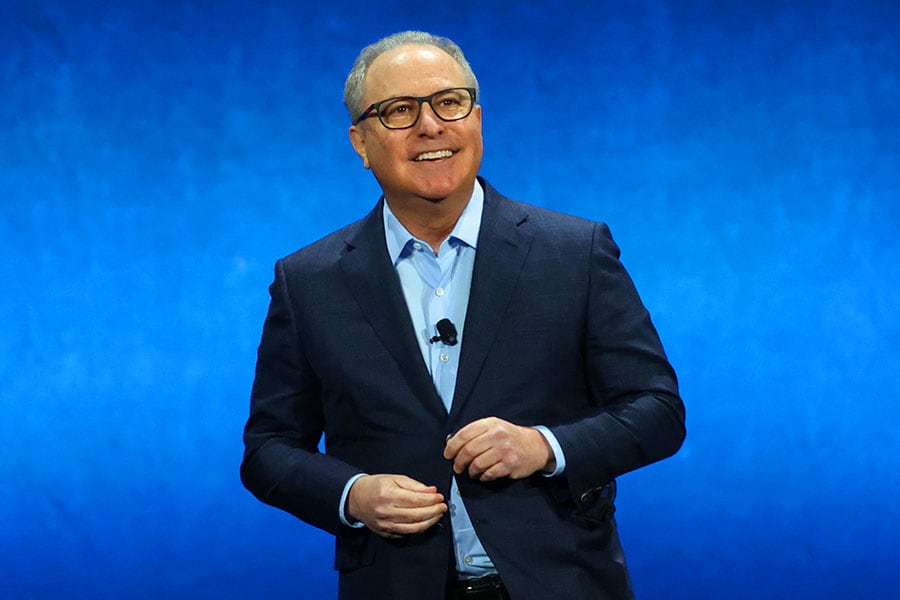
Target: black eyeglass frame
374,110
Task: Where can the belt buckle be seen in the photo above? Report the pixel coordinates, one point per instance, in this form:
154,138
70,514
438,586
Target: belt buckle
482,584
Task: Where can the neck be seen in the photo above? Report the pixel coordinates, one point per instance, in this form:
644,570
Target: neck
429,220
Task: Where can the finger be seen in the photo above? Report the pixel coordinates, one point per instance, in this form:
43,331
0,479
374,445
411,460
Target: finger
491,460
474,449
408,522
503,455
496,471
406,500
411,493
518,457
418,500
464,435
410,484
411,516
403,520
399,530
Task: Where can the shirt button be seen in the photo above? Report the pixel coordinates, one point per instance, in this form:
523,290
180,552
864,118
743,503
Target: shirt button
445,358
417,246
468,560
439,292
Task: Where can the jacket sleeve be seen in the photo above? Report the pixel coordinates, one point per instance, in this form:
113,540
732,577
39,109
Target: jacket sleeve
639,416
282,465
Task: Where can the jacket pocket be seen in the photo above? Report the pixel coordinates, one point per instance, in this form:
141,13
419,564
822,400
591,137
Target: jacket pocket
593,508
353,549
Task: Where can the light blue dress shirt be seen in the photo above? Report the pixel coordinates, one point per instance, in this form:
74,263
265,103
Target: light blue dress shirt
437,287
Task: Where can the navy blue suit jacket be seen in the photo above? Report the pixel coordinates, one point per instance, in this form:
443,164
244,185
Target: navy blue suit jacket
555,335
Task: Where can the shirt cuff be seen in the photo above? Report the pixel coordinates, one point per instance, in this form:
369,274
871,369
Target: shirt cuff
344,520
557,452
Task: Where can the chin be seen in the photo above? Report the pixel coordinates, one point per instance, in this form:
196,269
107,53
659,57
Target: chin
434,199
438,192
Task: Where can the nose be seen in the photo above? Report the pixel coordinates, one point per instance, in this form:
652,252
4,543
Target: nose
429,123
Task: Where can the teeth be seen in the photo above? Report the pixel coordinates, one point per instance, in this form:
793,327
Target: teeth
434,155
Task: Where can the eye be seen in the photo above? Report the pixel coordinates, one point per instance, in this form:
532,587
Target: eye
450,99
398,107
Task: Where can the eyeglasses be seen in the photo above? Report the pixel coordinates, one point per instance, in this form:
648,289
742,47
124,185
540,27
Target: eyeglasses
403,112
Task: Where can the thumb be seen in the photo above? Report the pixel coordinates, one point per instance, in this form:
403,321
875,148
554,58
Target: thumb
410,484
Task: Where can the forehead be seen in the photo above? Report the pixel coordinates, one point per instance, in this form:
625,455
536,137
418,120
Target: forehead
412,70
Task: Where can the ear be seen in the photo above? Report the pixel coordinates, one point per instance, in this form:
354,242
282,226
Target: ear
358,139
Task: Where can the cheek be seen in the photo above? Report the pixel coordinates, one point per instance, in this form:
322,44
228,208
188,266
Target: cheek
387,153
388,164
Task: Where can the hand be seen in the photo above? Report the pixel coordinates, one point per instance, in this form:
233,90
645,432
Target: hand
492,448
395,505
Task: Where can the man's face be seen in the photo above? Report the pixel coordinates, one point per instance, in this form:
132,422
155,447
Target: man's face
396,155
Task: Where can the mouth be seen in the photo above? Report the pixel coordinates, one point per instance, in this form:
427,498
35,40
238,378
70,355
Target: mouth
435,155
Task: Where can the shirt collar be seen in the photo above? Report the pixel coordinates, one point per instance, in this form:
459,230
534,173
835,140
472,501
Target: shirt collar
465,231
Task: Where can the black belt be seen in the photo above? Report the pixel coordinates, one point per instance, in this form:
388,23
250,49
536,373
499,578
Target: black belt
489,587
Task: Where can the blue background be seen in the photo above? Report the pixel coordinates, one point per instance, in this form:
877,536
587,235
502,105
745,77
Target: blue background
157,157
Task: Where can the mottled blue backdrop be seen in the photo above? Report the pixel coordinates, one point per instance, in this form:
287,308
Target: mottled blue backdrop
157,157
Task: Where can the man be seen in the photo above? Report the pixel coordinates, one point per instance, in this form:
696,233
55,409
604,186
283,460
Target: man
482,370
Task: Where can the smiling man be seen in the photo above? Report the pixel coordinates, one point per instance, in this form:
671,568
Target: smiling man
481,369
414,152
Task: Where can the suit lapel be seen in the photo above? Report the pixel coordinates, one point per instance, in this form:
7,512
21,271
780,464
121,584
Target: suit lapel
503,246
373,282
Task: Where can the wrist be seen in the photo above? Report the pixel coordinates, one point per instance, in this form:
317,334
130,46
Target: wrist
556,461
550,461
349,508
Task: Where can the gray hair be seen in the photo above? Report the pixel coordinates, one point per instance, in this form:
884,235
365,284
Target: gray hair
353,88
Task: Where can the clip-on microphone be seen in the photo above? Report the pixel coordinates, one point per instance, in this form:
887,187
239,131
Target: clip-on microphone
446,333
